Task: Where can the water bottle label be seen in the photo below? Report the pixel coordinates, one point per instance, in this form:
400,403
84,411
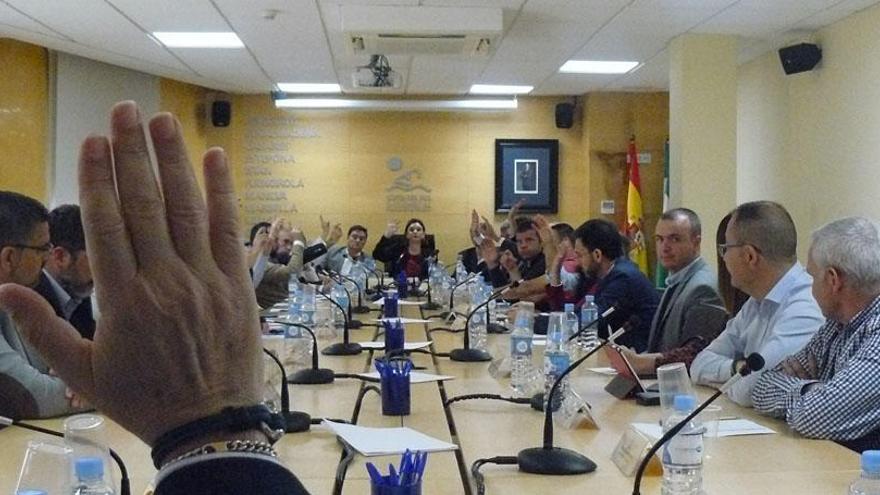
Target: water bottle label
308,318
684,450
520,346
559,362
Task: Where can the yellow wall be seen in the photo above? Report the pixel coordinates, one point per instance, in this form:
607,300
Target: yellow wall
345,174
23,118
813,137
187,102
610,120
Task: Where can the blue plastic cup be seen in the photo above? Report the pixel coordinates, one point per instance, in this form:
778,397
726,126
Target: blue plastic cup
395,394
391,310
394,337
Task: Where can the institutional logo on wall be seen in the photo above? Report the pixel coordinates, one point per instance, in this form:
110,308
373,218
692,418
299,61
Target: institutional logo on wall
406,192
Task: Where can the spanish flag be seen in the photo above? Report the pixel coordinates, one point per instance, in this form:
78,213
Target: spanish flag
637,252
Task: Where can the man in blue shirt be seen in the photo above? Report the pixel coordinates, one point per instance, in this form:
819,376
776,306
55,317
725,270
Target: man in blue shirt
830,389
760,251
599,248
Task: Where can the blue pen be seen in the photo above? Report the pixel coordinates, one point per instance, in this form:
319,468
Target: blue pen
375,476
392,475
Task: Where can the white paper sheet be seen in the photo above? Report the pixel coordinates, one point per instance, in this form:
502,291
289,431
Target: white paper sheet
381,303
603,371
386,441
405,321
414,377
726,428
406,345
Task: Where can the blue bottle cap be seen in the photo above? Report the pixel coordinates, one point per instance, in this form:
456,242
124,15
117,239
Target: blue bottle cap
569,307
89,468
29,491
589,298
871,461
684,403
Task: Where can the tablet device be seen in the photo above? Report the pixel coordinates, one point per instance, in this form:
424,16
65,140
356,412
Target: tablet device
627,383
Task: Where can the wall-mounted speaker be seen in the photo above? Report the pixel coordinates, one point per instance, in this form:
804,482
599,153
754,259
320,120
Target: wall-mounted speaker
799,58
564,115
221,113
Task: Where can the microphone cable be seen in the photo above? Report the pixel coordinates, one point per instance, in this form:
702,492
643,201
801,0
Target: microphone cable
478,476
513,400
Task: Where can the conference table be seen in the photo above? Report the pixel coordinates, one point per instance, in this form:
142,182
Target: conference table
781,463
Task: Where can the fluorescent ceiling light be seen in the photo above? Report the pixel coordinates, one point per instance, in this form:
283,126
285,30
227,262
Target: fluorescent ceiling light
399,105
498,89
597,67
309,87
199,40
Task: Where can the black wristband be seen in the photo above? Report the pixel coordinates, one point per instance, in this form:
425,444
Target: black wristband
231,420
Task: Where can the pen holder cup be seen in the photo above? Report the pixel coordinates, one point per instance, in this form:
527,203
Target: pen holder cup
390,309
395,396
393,336
411,489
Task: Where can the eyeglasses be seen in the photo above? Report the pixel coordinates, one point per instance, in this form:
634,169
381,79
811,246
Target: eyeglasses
723,248
45,248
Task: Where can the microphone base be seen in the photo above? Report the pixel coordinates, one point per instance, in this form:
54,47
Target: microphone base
354,324
360,310
312,376
296,421
496,328
342,349
469,355
538,402
431,306
554,461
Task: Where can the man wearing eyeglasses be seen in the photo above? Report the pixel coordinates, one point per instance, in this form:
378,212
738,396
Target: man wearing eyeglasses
780,316
27,389
66,281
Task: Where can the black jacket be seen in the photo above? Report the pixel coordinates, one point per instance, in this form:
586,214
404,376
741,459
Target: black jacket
81,319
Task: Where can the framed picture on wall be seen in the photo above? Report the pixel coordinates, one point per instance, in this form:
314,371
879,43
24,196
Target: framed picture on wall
527,170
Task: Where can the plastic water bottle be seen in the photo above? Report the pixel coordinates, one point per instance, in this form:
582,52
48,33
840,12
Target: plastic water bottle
339,294
402,284
571,323
521,371
295,302
683,454
309,306
359,274
589,338
297,348
477,329
556,360
869,482
89,473
460,270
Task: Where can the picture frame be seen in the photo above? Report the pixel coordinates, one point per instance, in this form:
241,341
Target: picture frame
527,170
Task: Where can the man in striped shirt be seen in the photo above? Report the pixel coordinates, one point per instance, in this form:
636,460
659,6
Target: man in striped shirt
831,388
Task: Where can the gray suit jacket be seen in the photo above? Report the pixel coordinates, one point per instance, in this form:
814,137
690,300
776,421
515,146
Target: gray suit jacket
685,316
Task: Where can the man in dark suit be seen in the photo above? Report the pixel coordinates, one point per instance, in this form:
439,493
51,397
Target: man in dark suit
66,280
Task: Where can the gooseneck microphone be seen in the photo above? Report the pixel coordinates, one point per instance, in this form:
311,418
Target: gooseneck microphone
556,460
467,354
313,375
755,362
294,421
346,347
585,326
447,314
124,484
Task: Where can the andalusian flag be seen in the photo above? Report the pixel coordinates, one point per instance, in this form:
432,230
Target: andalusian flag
660,272
637,252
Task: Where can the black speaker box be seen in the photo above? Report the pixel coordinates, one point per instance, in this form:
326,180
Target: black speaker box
799,58
564,115
221,113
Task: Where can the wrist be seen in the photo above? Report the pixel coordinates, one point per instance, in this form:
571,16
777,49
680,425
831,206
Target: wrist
195,443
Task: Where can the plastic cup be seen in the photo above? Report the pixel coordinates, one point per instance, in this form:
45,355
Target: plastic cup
86,435
673,380
394,337
46,467
395,394
390,310
411,489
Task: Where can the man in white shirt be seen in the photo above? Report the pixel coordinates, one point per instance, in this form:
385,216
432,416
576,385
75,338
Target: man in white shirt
781,315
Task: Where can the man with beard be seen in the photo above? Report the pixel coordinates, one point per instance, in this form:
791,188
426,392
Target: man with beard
66,280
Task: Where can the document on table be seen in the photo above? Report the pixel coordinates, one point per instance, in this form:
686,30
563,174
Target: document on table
603,371
726,428
378,344
405,321
414,377
386,441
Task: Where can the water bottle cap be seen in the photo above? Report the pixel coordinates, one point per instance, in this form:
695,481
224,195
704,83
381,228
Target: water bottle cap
89,468
569,307
871,461
684,403
522,319
589,298
29,491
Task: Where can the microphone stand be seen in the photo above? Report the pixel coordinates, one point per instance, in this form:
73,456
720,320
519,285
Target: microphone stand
346,347
556,460
466,354
430,305
313,375
755,362
447,314
294,421
124,484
